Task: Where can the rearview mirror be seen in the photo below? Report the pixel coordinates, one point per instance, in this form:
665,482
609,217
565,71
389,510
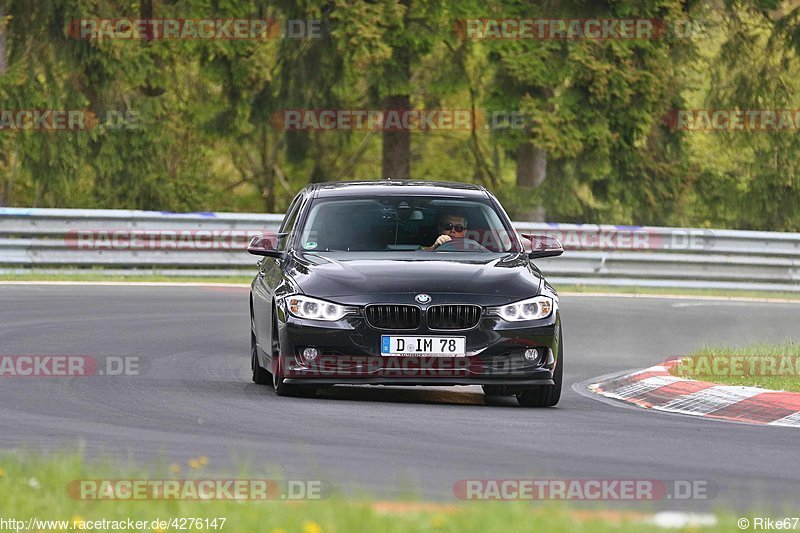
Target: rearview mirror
266,245
543,246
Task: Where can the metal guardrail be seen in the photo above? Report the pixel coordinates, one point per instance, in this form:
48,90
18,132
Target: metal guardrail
49,240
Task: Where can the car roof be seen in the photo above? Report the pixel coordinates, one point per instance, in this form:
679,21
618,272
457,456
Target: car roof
397,188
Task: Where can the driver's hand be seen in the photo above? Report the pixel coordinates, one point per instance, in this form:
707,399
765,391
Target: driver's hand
441,240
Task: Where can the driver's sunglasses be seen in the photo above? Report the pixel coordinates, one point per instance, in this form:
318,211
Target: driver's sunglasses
458,228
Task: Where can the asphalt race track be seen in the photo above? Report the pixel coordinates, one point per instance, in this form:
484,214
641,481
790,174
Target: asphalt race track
194,396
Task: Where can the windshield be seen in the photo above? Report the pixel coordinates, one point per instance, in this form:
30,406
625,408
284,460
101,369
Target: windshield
405,223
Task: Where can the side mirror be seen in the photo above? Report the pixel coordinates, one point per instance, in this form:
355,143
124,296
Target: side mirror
266,245
543,246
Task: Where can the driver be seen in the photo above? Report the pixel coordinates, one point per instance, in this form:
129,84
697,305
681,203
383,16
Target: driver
451,226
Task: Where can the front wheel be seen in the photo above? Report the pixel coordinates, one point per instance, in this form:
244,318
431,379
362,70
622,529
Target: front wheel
547,395
260,374
278,382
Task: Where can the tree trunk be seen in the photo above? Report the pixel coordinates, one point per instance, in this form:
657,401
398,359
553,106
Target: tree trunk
531,173
396,143
268,174
318,173
146,13
531,165
396,159
5,182
3,39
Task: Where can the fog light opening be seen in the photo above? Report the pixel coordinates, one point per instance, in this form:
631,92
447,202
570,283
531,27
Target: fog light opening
310,355
531,355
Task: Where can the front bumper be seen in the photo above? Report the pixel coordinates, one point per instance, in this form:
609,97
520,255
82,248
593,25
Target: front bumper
350,353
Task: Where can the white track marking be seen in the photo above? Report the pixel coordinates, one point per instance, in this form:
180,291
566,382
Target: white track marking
709,400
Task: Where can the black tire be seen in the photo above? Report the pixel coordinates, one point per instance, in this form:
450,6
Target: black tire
279,384
547,395
260,374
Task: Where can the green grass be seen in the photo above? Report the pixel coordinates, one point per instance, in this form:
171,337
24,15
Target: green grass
770,366
32,486
611,289
99,276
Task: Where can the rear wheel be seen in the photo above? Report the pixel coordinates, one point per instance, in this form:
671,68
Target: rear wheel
547,395
260,374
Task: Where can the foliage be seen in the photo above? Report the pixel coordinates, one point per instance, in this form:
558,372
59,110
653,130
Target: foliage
189,125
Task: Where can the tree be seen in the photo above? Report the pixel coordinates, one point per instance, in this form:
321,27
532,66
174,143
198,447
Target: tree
592,109
5,180
386,40
754,179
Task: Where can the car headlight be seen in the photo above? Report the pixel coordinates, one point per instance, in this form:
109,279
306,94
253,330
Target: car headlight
314,309
530,309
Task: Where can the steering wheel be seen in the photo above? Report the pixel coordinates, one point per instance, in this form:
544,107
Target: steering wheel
461,245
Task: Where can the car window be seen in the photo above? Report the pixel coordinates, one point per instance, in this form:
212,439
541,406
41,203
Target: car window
374,224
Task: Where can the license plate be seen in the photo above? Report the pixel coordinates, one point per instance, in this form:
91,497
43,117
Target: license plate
424,346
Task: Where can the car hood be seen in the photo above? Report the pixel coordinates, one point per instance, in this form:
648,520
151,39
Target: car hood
497,278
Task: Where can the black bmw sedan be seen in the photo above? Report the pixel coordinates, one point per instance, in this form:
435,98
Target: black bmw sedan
404,283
